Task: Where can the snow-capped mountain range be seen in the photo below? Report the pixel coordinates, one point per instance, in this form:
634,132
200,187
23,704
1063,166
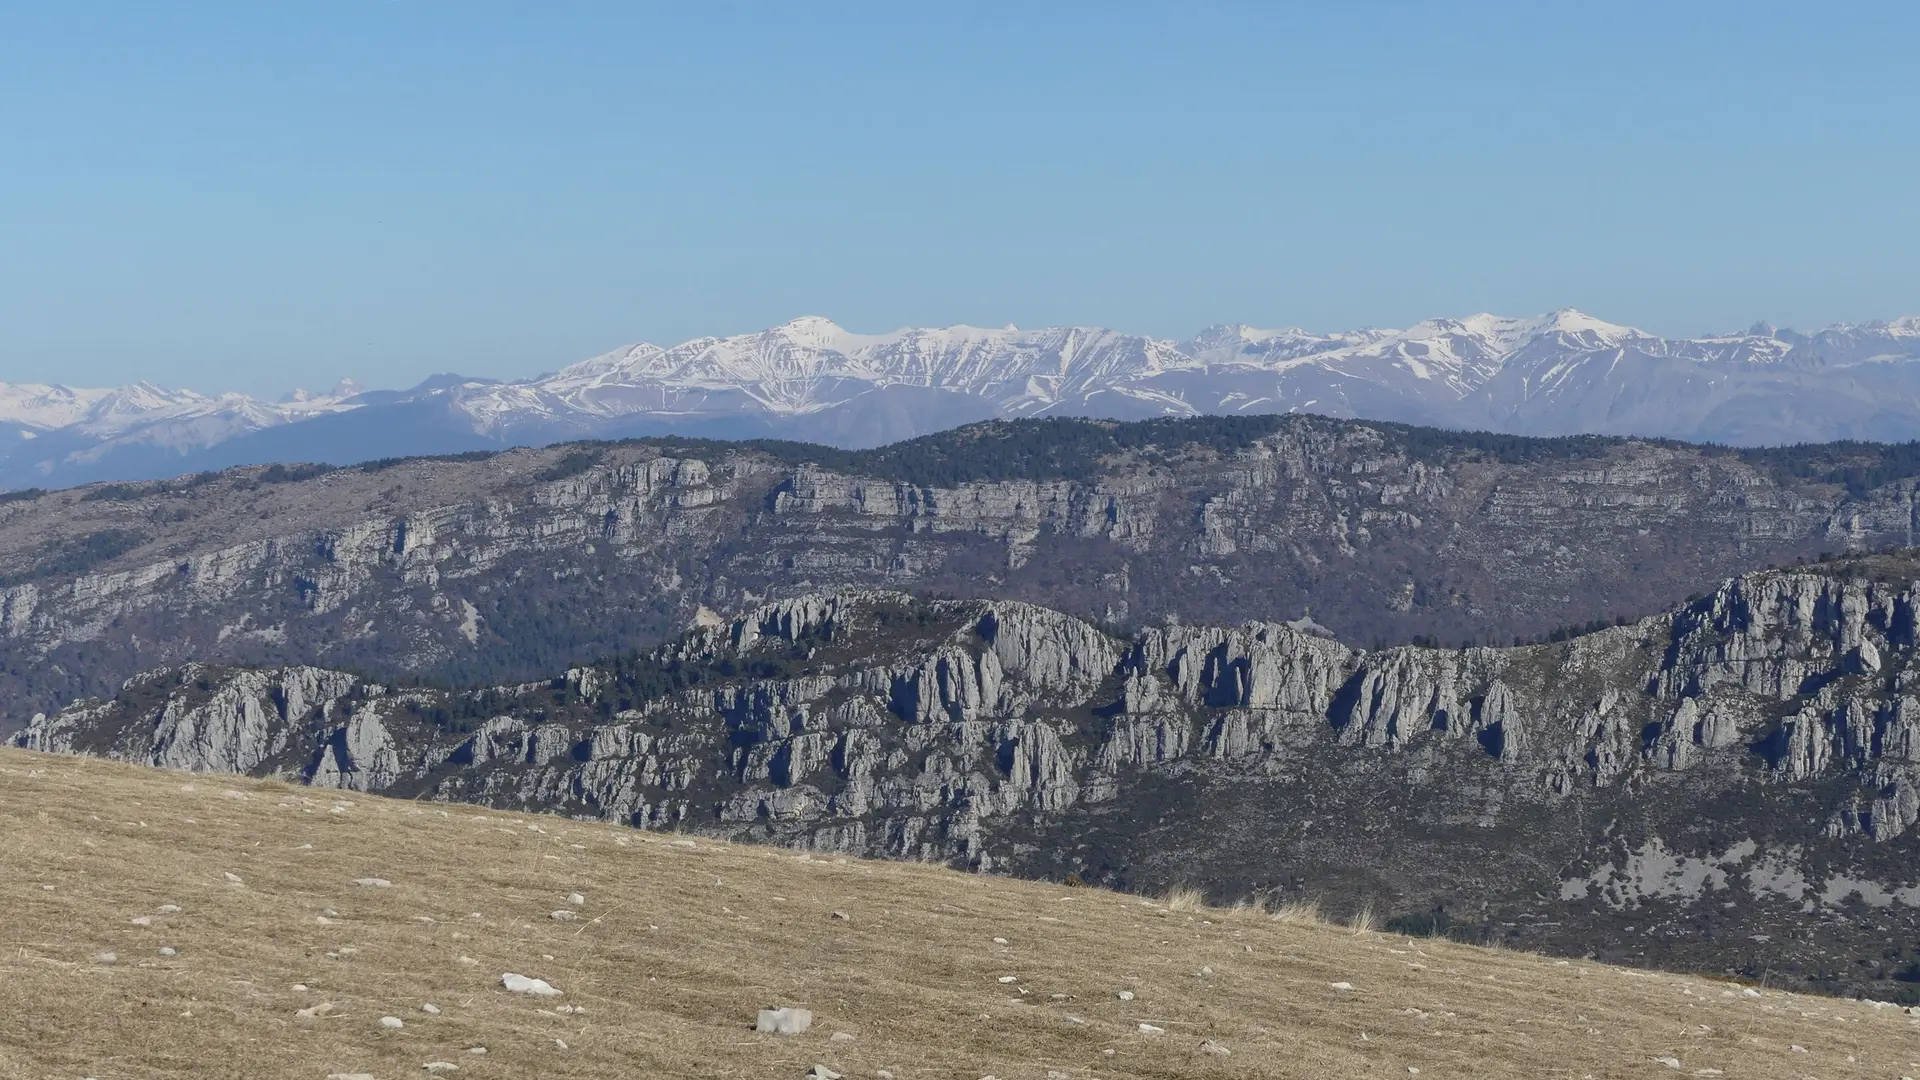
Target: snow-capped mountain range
809,379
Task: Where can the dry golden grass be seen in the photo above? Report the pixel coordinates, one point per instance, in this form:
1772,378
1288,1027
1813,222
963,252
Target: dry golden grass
676,947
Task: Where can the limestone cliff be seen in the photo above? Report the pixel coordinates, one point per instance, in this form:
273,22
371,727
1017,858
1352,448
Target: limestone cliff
495,568
1747,764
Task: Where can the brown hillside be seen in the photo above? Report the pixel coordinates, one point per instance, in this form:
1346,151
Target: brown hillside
931,973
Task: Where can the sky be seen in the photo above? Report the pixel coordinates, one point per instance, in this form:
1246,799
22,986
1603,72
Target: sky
257,196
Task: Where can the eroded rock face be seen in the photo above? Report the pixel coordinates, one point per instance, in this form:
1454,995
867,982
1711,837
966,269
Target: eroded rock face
1765,731
518,565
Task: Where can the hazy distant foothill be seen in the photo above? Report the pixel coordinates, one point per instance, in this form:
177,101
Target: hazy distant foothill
810,380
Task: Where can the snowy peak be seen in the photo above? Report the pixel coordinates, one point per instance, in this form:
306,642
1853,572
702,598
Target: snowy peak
1557,373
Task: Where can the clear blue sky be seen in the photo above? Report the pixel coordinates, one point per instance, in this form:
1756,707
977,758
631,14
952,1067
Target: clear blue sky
257,195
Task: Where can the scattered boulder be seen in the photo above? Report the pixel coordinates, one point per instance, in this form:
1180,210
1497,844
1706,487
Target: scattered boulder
1125,995
564,915
169,909
1214,1048
393,1023
576,899
1151,1029
783,1021
842,916
430,1009
520,984
167,950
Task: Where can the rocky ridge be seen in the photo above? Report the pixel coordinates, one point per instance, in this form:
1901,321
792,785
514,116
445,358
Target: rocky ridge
492,568
1732,786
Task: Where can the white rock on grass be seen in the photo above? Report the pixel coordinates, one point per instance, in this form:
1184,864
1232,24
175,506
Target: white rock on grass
392,1022
373,882
141,920
821,1072
233,878
520,984
1341,985
576,899
783,1021
1125,995
1214,1048
167,950
315,1012
1151,1029
169,909
840,1036
350,1076
104,958
440,1067
563,915
430,1009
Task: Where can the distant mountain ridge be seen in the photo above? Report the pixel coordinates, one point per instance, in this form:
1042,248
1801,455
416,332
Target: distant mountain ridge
809,379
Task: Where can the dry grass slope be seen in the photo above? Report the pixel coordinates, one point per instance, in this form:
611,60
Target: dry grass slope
932,973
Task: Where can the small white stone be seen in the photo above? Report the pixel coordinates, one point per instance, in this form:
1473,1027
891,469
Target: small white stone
141,920
576,899
299,988
841,1036
476,1049
1009,978
392,1022
430,1009
104,958
233,879
1214,1048
520,984
469,961
1125,995
350,1076
323,920
1150,1029
563,915
440,1066
169,909
1341,985
999,941
167,950
559,1044
372,882
842,916
821,1072
314,1012
1669,1062
1206,972
1751,992
783,1021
